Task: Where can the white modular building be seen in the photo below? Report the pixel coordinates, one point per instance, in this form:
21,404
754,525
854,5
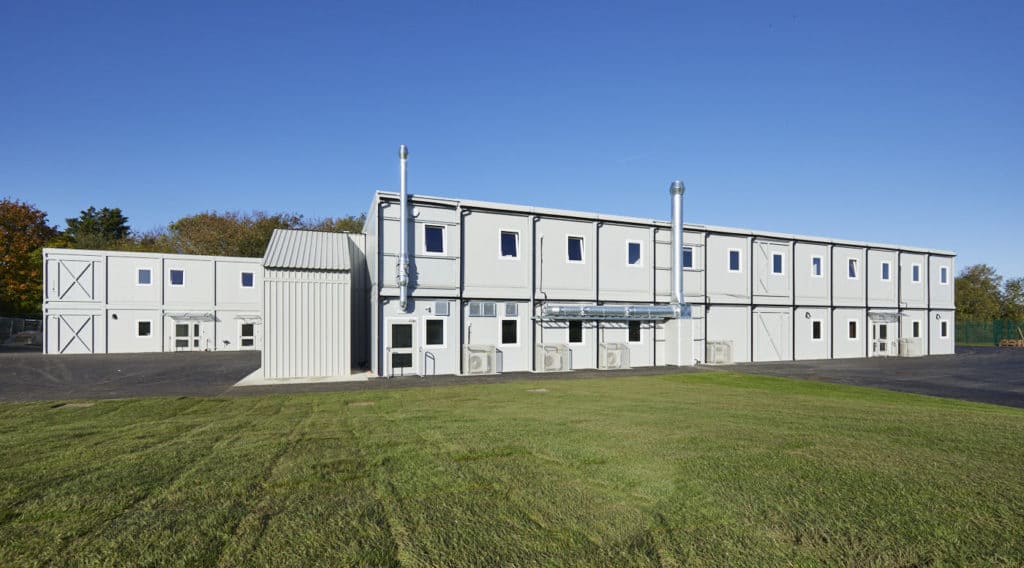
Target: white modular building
128,302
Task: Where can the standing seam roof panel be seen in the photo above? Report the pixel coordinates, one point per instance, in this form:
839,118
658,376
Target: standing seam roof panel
308,250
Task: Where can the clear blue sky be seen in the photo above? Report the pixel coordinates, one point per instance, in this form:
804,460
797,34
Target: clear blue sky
884,121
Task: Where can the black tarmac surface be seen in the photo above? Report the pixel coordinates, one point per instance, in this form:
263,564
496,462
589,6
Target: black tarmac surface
977,374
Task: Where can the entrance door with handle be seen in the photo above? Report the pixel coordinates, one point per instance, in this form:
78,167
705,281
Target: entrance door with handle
401,353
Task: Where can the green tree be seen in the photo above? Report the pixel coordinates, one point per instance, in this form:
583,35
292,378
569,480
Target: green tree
979,293
23,233
98,229
348,224
227,234
1013,299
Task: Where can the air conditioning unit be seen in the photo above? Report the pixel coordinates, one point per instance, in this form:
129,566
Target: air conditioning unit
614,356
719,352
479,360
910,347
553,357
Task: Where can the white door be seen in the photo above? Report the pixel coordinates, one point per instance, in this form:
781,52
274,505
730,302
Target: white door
246,335
883,340
186,336
401,353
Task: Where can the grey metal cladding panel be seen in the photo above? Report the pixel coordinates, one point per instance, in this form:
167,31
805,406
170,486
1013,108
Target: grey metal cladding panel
883,293
724,285
557,277
771,287
845,347
913,294
941,295
197,288
805,345
74,278
732,324
123,280
430,273
773,334
487,273
312,250
307,326
847,291
618,280
937,343
811,288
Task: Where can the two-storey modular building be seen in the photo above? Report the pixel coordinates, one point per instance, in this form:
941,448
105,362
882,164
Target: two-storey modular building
127,302
491,287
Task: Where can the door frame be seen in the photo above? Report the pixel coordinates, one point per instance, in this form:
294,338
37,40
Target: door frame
891,339
412,350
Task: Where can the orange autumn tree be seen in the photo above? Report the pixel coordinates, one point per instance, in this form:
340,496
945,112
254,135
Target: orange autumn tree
23,233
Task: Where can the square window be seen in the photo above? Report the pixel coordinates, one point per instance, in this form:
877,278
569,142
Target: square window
634,332
248,329
509,244
177,277
145,277
511,310
181,330
885,271
575,332
944,329
575,249
851,268
687,257
816,266
917,329
435,332
852,329
734,260
633,254
509,332
247,280
433,239
915,273
776,263
944,275
145,328
816,329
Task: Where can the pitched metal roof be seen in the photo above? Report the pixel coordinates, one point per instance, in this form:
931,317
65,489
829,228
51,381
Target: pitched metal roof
307,250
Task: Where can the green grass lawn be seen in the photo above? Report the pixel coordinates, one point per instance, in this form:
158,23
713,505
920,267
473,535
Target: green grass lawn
700,469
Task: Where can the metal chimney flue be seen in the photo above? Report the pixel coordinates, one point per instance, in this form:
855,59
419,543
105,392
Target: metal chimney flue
676,190
402,269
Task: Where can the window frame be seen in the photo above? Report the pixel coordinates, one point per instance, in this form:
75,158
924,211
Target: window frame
915,273
944,276
885,271
640,254
170,277
444,239
915,329
568,333
853,262
856,329
820,272
739,260
138,272
501,244
583,249
141,321
242,336
782,264
501,340
821,329
426,334
639,331
685,264
943,328
252,276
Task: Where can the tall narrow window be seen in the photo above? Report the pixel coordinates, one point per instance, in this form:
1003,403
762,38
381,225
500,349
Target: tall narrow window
915,273
734,260
687,257
853,329
816,329
177,277
509,332
885,271
575,249
851,268
433,239
944,329
944,275
776,263
247,280
633,254
435,332
816,266
634,332
145,277
917,329
509,244
575,332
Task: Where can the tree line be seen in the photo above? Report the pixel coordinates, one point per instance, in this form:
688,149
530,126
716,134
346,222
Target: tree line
25,231
982,294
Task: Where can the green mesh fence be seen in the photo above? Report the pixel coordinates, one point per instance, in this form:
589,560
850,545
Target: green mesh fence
988,332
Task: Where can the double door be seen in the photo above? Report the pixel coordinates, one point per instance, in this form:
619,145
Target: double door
883,339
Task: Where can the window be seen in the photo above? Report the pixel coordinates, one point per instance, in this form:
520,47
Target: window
776,263
509,244
509,332
816,329
633,254
247,338
181,335
634,332
734,260
944,329
575,332
885,271
575,252
145,277
816,266
144,328
247,280
851,268
511,310
401,336
853,329
915,273
917,329
433,239
435,332
687,257
483,309
177,277
944,275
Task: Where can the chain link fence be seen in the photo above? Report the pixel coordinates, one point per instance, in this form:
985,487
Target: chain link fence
988,332
21,331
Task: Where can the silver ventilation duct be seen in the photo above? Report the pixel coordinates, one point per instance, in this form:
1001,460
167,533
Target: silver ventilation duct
676,190
402,276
